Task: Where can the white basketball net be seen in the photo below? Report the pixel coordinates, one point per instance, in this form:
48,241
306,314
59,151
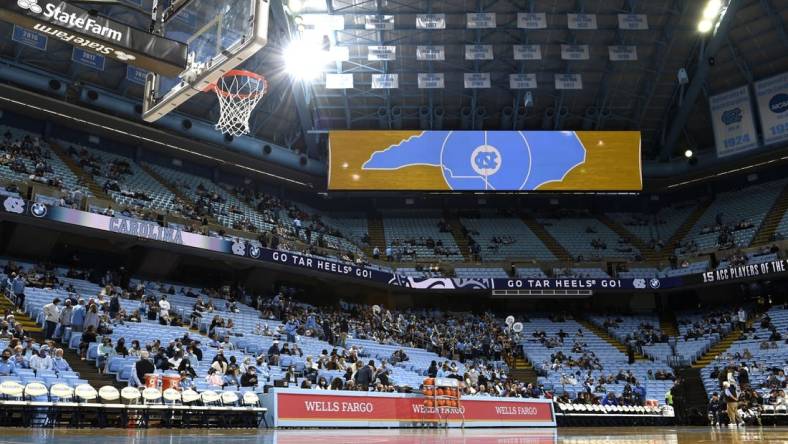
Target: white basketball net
238,96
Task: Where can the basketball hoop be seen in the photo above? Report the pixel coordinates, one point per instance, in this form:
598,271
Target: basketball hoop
238,92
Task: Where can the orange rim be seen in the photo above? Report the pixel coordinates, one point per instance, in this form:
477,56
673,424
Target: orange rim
238,73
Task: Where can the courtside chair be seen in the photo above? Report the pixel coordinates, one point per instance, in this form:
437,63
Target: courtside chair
211,402
190,399
112,410
63,395
150,398
12,393
86,397
37,407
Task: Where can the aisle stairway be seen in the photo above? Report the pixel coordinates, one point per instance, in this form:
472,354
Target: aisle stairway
547,239
645,251
456,231
667,324
376,233
717,349
683,230
602,333
22,318
772,219
78,171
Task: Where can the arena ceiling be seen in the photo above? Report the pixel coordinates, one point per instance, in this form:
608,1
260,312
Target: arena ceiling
751,43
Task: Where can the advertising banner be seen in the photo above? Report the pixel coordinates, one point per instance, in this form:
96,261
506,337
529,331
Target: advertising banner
314,408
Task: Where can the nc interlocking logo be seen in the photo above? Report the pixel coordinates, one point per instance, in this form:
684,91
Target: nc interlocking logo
732,116
30,5
487,160
639,283
14,205
239,248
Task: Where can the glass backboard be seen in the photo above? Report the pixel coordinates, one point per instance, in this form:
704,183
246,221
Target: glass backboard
220,34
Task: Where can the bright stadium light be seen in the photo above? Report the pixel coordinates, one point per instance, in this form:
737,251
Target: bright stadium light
305,60
712,9
688,154
295,6
705,26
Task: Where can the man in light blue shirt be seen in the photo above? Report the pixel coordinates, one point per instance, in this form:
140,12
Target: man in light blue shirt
18,287
58,363
78,316
7,365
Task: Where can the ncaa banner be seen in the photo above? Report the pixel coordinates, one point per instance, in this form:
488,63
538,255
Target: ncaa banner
29,38
478,52
431,80
622,53
379,22
477,80
481,20
381,53
339,81
581,21
633,22
385,81
734,126
522,81
568,81
772,95
527,52
431,21
430,53
575,52
531,20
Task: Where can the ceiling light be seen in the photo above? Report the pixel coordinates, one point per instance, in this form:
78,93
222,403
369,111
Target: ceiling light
712,9
705,26
688,154
305,60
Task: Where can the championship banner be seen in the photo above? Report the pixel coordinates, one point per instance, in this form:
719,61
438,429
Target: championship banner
29,38
622,53
478,52
135,75
339,81
581,21
384,53
481,20
772,97
485,160
477,80
318,408
379,22
430,53
733,122
575,52
568,81
522,81
431,21
633,22
531,20
88,59
80,28
385,81
431,80
527,52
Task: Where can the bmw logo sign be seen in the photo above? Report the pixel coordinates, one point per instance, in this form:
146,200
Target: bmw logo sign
654,283
38,209
254,251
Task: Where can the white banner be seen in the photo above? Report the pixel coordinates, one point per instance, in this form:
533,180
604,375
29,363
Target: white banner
772,96
527,52
478,52
581,21
379,22
575,52
734,126
476,80
481,20
381,53
634,22
430,52
385,81
431,21
531,20
339,54
622,53
323,22
431,80
522,81
339,81
568,81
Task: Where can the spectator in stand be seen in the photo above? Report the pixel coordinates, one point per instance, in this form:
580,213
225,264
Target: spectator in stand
18,283
64,320
51,317
364,376
7,364
41,361
78,316
142,367
88,337
59,364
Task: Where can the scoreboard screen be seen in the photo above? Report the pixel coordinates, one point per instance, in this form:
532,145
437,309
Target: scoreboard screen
485,161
